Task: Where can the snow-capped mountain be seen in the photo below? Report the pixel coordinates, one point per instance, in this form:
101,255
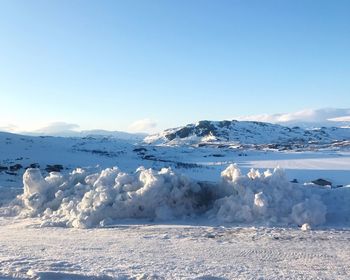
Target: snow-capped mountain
247,133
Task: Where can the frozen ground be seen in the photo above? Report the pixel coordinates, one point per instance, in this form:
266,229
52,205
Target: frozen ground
150,251
201,163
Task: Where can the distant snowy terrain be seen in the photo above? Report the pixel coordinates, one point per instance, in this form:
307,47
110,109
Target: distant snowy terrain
200,151
208,180
252,134
90,133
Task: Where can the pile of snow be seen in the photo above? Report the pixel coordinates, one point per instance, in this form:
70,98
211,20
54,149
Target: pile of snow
82,200
85,200
268,198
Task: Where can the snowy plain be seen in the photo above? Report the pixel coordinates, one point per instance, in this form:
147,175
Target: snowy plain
171,251
194,211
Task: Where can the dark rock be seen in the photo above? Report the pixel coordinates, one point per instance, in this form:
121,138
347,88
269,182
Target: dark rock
204,128
2,168
222,146
99,152
33,165
16,167
54,168
295,181
102,153
137,150
149,157
186,165
200,145
242,155
217,155
184,132
225,124
322,182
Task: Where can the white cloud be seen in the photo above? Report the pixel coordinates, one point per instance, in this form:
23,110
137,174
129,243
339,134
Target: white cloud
58,127
307,117
341,119
9,128
144,125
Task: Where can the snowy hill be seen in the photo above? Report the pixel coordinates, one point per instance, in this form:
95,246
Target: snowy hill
18,152
90,133
248,133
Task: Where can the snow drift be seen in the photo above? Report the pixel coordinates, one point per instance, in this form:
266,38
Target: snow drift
85,200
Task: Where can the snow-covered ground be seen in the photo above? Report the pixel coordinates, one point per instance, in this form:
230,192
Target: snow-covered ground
201,163
188,213
171,251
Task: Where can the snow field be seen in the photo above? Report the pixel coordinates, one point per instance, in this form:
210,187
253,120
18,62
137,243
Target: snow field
191,252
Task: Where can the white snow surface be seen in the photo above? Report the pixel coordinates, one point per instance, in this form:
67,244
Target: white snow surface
171,251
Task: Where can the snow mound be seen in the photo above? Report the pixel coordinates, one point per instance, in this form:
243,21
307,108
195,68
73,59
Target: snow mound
85,200
267,198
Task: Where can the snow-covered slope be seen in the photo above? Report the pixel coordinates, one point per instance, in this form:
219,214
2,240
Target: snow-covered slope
203,161
248,133
18,152
90,133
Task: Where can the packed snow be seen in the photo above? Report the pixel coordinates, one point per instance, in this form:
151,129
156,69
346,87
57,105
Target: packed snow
149,251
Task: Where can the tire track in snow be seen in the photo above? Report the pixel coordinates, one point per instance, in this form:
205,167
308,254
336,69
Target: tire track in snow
275,255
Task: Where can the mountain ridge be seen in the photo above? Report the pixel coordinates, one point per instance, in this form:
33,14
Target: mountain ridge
246,132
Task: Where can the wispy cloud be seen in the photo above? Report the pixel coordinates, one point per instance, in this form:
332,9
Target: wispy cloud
9,128
313,117
144,125
58,127
341,119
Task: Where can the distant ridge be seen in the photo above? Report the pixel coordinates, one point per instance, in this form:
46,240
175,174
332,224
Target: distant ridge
246,132
86,133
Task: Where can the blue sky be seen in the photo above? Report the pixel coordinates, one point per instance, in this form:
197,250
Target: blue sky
106,64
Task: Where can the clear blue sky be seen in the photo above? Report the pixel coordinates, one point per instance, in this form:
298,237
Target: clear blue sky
106,64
